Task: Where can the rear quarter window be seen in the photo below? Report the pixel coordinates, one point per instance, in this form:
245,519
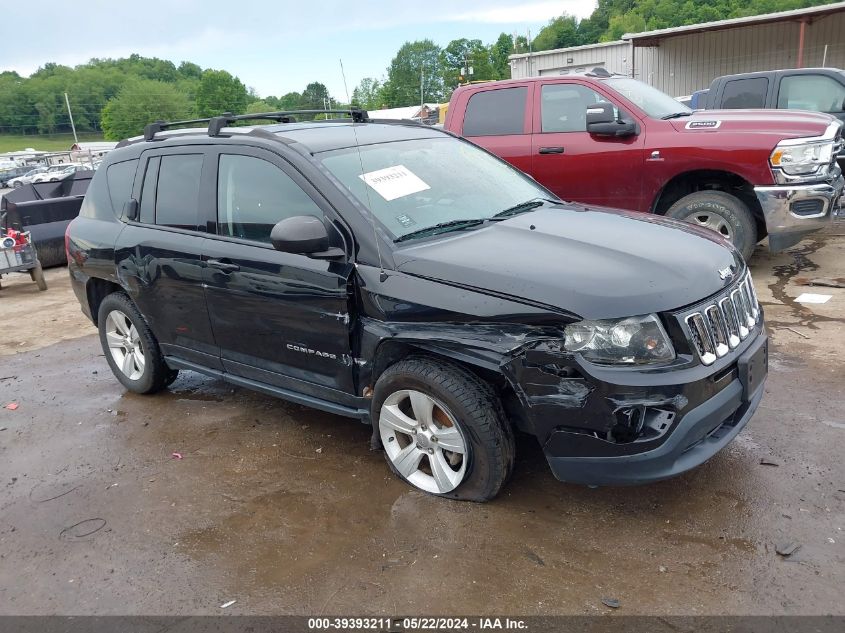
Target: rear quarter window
119,178
745,93
177,195
496,112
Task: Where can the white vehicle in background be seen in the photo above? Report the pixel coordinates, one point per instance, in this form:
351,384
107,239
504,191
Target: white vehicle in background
25,179
56,173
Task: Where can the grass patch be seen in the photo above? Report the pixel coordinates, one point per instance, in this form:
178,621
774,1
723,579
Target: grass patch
44,142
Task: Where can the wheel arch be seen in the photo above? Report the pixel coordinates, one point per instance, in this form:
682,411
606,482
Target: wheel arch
697,180
96,290
484,364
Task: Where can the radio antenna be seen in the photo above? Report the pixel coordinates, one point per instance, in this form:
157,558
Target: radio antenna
383,275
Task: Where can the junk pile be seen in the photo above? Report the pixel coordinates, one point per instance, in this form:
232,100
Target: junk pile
44,210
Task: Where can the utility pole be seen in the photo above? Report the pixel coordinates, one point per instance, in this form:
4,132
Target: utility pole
422,84
70,114
466,70
530,73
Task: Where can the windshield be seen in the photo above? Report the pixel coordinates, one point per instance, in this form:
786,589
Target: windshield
652,101
413,185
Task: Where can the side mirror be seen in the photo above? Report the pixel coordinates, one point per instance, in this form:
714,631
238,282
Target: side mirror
303,234
130,209
602,122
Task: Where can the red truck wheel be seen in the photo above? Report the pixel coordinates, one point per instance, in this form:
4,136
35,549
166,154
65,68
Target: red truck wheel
720,212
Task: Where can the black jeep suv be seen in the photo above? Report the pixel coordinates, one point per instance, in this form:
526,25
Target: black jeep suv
397,274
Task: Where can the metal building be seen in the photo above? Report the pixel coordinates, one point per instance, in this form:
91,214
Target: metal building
684,59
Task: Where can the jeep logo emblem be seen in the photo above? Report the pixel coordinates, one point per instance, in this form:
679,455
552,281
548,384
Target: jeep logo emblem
725,273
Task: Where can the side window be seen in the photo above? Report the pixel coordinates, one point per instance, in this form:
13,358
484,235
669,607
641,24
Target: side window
496,112
745,93
178,191
253,195
148,192
564,107
120,177
812,92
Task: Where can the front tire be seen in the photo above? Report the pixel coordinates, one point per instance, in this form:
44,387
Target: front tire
130,347
443,429
720,212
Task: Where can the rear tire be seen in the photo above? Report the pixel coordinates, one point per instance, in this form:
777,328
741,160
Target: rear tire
721,212
130,347
463,413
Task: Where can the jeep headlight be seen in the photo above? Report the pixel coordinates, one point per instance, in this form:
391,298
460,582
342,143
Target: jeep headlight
631,341
802,159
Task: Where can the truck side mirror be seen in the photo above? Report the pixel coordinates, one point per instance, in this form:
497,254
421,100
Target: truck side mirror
601,121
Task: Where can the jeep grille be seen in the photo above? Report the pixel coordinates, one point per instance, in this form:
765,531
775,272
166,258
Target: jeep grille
717,329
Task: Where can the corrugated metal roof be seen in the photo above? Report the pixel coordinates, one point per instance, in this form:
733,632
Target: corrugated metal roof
646,38
569,49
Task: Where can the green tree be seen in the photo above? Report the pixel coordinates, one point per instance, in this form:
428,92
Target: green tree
368,94
290,101
219,92
461,55
561,32
189,70
500,50
625,23
415,63
314,97
259,106
143,101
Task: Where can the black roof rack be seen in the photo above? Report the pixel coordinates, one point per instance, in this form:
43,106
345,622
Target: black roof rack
158,126
219,122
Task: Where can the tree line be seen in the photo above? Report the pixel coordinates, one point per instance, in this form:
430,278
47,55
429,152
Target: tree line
611,19
117,97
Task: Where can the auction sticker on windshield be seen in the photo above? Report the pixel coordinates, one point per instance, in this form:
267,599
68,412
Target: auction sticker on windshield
394,182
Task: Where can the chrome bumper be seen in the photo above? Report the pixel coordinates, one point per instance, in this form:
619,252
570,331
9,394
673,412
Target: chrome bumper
779,203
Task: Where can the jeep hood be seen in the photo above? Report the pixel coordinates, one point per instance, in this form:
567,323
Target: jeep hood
783,123
594,262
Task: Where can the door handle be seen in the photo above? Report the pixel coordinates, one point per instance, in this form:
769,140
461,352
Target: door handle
226,267
551,150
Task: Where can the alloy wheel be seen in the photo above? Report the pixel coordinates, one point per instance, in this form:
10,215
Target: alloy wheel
423,441
125,345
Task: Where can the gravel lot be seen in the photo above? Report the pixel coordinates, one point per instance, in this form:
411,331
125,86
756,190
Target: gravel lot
285,510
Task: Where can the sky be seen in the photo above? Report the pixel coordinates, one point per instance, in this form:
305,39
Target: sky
275,49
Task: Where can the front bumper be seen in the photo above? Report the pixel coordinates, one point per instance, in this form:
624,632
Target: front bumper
793,211
700,433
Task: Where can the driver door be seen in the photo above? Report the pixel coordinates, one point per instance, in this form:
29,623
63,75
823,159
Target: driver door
279,318
574,164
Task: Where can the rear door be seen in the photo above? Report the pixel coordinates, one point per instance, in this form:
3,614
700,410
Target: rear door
817,92
745,92
279,318
499,120
159,256
574,164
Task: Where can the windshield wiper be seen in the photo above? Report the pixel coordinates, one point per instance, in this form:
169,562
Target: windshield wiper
522,207
675,115
442,227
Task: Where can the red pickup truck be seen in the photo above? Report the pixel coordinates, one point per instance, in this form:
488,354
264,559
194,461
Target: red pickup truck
611,140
